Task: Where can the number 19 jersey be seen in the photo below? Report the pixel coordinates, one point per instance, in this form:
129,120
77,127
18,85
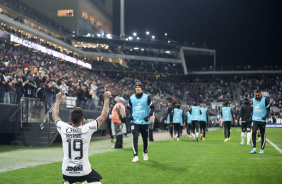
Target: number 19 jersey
75,142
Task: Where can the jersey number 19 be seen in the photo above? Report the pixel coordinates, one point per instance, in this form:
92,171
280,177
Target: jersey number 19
76,146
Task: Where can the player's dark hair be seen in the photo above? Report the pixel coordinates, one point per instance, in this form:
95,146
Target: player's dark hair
76,115
257,91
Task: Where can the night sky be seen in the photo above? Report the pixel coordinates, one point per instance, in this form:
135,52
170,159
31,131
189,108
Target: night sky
242,31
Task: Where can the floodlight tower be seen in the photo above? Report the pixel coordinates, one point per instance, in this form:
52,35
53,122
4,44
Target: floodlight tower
122,19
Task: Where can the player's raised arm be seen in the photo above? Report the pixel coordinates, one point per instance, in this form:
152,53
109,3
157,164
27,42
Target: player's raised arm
55,113
105,110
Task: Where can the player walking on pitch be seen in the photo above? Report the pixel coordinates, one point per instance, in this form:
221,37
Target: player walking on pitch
261,110
246,119
139,105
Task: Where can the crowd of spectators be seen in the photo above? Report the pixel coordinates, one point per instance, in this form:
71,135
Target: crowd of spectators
24,73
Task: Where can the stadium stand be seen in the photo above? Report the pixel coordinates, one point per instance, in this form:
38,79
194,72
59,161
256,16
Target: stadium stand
24,71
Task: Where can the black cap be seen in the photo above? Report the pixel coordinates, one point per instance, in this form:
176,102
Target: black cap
138,84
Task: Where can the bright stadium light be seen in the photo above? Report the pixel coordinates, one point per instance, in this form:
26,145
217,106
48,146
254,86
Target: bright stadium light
109,36
134,34
165,34
130,38
138,38
153,37
168,41
147,32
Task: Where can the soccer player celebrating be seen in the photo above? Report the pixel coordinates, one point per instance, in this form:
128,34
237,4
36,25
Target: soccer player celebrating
261,110
75,139
139,105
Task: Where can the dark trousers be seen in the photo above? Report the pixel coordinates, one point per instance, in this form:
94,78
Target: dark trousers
176,127
246,126
151,138
136,129
188,128
203,125
227,126
93,176
261,126
195,126
109,125
170,129
119,141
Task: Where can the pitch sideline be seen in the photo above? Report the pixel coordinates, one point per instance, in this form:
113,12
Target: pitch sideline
272,144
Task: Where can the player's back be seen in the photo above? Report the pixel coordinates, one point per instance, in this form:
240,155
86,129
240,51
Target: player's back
75,142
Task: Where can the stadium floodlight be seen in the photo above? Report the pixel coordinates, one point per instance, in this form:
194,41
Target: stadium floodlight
165,34
99,35
134,34
130,38
168,41
138,38
136,48
109,36
153,37
147,32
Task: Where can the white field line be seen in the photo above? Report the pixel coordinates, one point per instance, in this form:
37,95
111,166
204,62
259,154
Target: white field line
272,144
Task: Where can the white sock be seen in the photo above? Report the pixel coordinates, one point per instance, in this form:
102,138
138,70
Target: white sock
242,136
249,137
197,134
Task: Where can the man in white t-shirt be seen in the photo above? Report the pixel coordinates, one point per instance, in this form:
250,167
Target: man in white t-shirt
75,139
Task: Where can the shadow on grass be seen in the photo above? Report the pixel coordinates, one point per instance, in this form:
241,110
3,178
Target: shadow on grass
162,166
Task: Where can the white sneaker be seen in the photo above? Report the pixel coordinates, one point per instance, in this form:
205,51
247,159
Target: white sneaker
135,159
145,156
177,139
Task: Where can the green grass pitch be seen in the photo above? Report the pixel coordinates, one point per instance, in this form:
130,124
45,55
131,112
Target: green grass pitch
185,161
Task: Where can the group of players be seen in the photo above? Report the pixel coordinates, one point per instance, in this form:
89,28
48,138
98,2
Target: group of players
253,117
76,136
195,119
